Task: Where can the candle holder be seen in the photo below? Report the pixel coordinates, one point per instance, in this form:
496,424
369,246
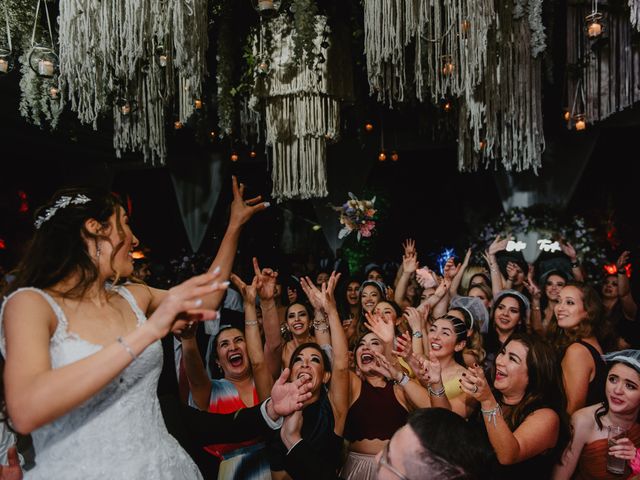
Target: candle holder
594,24
447,65
263,67
580,121
6,61
44,61
266,7
161,56
197,104
126,106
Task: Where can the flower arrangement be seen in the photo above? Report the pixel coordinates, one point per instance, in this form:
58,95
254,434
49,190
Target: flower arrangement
539,218
357,215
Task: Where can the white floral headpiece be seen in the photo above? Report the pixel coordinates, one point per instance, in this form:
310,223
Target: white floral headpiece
62,202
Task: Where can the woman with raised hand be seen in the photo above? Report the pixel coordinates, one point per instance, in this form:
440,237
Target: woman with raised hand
620,309
325,412
380,389
587,455
523,414
82,349
578,314
407,293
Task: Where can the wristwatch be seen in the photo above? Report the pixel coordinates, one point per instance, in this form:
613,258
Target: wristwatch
417,334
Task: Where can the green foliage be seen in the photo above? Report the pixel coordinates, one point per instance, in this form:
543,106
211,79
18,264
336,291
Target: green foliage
304,23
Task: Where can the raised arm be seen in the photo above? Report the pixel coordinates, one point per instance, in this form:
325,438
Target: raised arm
241,212
36,394
199,382
538,432
273,345
320,319
629,307
536,294
576,268
409,267
498,245
261,375
457,278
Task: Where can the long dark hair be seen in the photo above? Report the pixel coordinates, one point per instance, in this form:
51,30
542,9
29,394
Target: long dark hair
545,388
58,248
315,346
492,344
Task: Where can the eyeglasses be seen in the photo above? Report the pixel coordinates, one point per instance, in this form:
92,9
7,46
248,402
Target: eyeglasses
383,461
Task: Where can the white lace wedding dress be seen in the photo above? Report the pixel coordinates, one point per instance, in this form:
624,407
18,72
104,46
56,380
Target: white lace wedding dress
117,434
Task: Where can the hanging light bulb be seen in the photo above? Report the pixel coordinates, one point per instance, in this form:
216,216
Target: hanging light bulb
465,26
234,157
368,127
394,156
212,135
177,125
382,156
483,145
253,154
161,55
594,25
580,122
197,104
566,115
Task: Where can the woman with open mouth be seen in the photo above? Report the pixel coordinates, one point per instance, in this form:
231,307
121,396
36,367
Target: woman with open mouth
586,455
298,326
523,414
325,412
509,314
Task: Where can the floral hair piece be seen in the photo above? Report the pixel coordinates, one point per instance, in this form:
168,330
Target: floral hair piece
62,202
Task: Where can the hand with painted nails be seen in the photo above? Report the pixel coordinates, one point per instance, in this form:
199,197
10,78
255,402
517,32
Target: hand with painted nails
430,370
183,304
378,324
266,281
475,383
248,292
287,397
242,210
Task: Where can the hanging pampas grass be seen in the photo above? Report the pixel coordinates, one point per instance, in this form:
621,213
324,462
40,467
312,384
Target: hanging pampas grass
634,6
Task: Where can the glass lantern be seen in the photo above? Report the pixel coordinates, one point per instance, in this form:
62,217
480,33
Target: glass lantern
580,121
266,7
6,61
161,56
126,106
44,61
594,24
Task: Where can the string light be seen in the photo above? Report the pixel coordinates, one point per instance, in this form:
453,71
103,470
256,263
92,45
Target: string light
447,66
368,127
394,156
178,125
234,157
253,154
197,104
382,156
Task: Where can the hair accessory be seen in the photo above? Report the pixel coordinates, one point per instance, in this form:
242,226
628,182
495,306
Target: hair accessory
513,293
476,310
630,357
62,202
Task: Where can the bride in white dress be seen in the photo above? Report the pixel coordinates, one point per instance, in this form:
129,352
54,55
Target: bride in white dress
83,357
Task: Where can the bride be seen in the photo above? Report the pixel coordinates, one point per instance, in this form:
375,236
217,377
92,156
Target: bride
82,348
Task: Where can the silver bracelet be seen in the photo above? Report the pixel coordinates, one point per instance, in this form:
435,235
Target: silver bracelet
438,393
126,346
403,381
250,322
491,415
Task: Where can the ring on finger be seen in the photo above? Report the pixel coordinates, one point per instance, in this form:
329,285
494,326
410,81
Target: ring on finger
475,389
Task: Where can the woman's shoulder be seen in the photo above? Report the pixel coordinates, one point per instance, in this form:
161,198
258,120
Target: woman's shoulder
585,417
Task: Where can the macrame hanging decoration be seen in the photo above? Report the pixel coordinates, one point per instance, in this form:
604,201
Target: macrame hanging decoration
108,50
41,100
501,123
302,110
607,66
449,51
634,6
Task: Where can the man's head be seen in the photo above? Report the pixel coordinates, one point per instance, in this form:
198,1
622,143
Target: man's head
435,443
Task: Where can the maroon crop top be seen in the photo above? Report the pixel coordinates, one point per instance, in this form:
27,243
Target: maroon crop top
375,414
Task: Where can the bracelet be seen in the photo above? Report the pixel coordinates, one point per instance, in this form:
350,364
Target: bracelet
250,322
575,264
417,334
491,415
126,346
403,381
438,393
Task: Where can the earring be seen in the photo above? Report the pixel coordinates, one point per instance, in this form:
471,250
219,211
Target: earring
98,252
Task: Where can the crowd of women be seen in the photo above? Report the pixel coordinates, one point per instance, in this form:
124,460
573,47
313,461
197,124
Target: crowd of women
541,364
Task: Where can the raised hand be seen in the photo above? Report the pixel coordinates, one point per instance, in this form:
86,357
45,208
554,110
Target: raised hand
497,245
266,284
531,285
404,347
450,269
568,250
409,263
379,325
248,292
183,304
467,258
384,367
443,288
242,210
414,319
313,293
409,246
512,271
287,397
622,260
328,289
